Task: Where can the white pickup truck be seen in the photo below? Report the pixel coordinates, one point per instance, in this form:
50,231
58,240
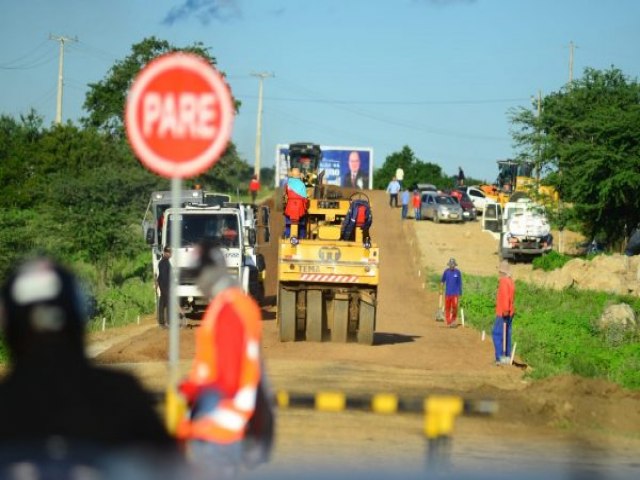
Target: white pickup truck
523,226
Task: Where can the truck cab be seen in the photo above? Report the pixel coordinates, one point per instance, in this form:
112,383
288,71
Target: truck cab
523,227
235,227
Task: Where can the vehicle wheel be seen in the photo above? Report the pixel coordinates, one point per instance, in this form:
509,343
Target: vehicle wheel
255,285
314,316
287,315
340,329
366,322
436,218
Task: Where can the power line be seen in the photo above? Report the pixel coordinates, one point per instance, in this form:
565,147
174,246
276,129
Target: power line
24,61
391,102
90,50
43,59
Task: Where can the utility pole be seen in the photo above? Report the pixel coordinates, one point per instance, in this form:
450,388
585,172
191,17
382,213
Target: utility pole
571,48
261,76
62,40
539,166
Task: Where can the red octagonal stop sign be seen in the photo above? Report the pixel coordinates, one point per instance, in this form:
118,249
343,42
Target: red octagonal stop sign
179,115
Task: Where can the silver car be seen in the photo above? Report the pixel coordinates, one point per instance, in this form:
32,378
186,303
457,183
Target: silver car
440,208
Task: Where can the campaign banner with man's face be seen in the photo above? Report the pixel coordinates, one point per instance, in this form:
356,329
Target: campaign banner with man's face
350,167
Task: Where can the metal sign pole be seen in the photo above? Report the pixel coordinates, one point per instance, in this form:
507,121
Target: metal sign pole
176,240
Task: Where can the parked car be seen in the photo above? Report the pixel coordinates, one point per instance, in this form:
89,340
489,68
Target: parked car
427,187
440,207
477,196
468,208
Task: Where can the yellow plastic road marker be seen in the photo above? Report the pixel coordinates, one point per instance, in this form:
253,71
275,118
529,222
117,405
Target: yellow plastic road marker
176,409
282,398
330,401
384,403
440,415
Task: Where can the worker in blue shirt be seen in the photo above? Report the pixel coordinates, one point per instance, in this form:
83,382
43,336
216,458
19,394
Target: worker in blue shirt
393,189
452,289
405,202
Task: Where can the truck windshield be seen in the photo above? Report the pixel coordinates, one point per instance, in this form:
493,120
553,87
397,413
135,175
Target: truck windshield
219,227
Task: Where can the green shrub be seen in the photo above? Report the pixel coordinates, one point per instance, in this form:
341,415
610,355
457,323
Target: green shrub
122,305
551,261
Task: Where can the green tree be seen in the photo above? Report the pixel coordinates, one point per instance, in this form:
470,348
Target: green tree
229,173
415,171
588,134
19,144
105,100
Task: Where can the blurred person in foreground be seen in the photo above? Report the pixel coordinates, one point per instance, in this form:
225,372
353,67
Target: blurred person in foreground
229,421
58,410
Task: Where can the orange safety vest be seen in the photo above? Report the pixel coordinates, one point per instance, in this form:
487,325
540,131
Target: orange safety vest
227,422
296,206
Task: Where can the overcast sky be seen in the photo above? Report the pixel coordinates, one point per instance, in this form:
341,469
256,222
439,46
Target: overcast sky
437,75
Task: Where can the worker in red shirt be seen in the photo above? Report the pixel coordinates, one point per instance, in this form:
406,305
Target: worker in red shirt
505,311
222,386
254,187
417,204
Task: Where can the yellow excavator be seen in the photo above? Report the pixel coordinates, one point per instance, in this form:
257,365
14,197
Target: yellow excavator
328,266
516,180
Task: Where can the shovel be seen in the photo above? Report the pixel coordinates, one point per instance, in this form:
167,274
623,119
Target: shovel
504,359
440,311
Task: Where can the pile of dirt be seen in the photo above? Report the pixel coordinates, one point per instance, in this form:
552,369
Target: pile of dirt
595,404
616,274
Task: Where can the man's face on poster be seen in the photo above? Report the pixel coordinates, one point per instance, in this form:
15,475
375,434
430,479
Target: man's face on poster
354,162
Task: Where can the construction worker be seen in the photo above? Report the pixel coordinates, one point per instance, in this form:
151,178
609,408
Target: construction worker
505,311
222,387
254,188
451,283
163,285
54,396
296,205
460,177
416,200
404,201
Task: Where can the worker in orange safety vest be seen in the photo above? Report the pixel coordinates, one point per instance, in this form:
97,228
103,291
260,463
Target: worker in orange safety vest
222,386
296,204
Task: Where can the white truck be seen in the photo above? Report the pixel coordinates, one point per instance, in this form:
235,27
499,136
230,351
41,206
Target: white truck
205,215
523,226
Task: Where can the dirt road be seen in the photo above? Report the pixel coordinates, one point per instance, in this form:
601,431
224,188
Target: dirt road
566,421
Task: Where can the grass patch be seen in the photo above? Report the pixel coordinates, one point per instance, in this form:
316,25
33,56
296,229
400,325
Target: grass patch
556,330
